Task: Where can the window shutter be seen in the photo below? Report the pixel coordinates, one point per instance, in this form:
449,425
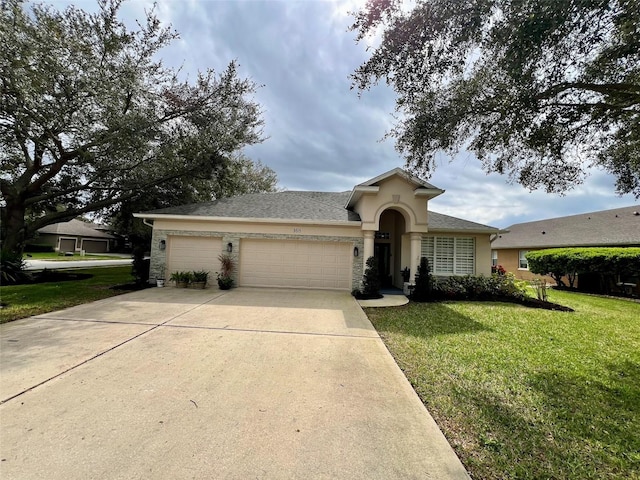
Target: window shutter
465,256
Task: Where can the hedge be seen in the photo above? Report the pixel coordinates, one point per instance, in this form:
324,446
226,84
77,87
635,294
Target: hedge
559,262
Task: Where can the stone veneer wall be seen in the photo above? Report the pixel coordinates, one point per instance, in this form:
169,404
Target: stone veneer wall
159,257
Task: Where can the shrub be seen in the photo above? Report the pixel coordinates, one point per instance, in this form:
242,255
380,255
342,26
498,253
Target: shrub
423,280
225,275
604,261
495,287
39,248
140,267
371,280
12,268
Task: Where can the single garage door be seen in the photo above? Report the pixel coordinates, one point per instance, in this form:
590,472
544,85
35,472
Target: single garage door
295,263
67,244
95,246
194,253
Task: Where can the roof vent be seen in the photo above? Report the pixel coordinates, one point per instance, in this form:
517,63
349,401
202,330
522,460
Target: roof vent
543,232
636,213
588,218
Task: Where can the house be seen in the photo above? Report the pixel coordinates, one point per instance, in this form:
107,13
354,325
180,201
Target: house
320,239
74,236
619,227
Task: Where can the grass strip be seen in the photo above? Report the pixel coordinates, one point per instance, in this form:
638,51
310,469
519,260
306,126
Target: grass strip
26,300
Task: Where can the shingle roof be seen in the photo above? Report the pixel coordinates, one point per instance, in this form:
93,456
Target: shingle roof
76,228
441,222
620,226
292,205
322,206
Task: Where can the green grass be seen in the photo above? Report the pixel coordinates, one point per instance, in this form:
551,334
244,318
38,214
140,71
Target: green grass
63,258
26,300
527,393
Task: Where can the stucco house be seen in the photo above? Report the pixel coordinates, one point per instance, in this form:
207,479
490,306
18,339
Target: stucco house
75,236
618,227
320,239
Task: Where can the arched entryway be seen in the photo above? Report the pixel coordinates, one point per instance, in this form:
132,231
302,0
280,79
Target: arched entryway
388,247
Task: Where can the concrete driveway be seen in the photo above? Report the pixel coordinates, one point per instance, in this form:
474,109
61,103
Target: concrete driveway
175,383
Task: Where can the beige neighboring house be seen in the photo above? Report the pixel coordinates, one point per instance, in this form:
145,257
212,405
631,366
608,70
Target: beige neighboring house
619,227
74,236
320,239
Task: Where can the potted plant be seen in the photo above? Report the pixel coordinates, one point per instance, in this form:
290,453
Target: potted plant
181,279
225,279
160,277
199,279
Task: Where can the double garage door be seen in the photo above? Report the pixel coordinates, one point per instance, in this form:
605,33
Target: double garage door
295,263
269,263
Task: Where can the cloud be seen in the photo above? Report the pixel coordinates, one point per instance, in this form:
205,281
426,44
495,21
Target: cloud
322,134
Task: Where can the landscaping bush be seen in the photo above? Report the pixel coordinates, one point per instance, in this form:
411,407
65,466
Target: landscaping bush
12,269
39,248
371,280
423,281
607,262
495,287
140,266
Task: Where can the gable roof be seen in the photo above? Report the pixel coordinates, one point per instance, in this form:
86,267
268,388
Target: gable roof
422,187
289,205
619,226
402,173
76,228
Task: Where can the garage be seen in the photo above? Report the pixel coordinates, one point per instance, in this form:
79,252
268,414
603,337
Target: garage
295,263
193,253
67,244
95,246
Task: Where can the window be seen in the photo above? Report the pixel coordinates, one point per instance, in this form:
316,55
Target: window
522,260
450,255
494,258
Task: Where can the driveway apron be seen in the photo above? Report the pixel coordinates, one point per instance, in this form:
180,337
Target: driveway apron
179,383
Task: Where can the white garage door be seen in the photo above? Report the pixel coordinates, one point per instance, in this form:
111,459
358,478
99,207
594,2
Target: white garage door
295,263
193,253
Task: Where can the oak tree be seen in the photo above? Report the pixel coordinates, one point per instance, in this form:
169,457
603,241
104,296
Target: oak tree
90,117
539,90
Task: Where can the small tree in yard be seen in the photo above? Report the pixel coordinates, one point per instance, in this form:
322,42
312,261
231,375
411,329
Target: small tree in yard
371,279
422,290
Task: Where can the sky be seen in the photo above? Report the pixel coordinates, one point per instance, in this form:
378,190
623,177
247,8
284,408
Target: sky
322,134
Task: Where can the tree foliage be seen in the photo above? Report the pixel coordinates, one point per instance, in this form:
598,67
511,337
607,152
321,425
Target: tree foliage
90,118
538,90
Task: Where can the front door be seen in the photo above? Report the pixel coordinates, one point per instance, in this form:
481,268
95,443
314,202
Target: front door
382,253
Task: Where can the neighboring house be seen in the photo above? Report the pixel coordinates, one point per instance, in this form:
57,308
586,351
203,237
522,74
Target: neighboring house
619,227
320,239
74,236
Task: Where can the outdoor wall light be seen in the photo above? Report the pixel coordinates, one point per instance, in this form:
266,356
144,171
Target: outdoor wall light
356,252
163,244
229,247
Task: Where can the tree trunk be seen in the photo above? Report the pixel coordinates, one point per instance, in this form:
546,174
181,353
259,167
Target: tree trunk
14,227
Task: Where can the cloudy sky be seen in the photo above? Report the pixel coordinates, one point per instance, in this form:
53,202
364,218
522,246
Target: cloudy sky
322,134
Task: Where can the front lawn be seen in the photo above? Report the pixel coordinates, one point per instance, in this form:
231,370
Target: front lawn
527,393
34,299
63,258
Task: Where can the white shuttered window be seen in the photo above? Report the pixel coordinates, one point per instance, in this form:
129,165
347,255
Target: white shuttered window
450,255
